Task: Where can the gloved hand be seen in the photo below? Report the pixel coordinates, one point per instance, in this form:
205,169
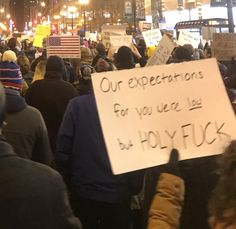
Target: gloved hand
172,166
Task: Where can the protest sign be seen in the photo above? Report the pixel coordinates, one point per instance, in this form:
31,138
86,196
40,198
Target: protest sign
152,37
118,41
162,52
42,31
111,30
186,37
224,46
145,112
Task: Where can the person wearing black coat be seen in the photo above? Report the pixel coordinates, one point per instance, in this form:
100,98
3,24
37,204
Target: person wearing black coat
51,96
32,195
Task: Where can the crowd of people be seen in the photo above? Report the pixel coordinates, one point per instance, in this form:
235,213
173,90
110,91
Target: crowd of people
55,171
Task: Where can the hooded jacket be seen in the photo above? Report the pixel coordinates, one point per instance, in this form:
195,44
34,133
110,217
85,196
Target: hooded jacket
25,129
51,96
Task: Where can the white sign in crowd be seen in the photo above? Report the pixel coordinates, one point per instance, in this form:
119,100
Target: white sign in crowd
152,37
186,37
146,112
162,52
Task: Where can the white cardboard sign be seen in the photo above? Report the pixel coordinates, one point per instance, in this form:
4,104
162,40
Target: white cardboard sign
162,52
224,46
186,37
145,112
152,37
118,41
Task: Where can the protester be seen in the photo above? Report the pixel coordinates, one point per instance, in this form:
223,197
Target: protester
39,71
124,58
12,45
24,64
222,205
168,200
25,129
142,48
51,96
86,56
42,56
100,199
102,57
32,195
84,83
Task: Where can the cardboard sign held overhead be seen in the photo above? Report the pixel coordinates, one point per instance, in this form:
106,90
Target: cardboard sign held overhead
186,37
111,30
162,53
42,31
224,46
118,41
152,37
145,112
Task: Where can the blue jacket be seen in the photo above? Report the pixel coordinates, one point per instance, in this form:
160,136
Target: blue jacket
82,158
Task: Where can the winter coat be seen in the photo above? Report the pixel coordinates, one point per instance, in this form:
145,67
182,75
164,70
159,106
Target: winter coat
32,195
25,130
51,96
82,158
167,203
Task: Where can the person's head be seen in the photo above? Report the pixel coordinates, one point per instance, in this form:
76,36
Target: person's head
40,70
23,62
124,58
101,48
9,56
55,67
190,48
86,56
222,205
181,54
12,42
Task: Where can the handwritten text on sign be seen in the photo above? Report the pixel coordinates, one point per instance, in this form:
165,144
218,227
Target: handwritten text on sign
162,52
145,112
152,37
118,41
224,46
186,37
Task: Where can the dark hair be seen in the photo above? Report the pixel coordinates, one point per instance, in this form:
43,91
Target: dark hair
23,62
124,58
224,195
12,43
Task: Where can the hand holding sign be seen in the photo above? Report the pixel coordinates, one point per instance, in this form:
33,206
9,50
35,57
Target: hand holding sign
135,51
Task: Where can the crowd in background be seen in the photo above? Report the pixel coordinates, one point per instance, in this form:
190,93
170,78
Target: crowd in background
50,123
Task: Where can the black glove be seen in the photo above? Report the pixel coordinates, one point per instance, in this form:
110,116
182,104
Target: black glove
172,166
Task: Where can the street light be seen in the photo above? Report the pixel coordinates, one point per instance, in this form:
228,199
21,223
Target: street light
84,3
72,10
43,4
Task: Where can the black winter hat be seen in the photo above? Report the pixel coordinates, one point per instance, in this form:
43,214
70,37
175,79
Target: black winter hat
124,58
182,53
55,64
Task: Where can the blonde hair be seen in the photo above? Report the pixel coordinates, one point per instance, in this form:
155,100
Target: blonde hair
39,71
9,56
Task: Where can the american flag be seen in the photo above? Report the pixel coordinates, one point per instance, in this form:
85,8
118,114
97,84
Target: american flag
63,46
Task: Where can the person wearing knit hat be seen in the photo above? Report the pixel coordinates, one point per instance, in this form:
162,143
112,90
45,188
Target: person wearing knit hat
51,95
25,129
10,74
